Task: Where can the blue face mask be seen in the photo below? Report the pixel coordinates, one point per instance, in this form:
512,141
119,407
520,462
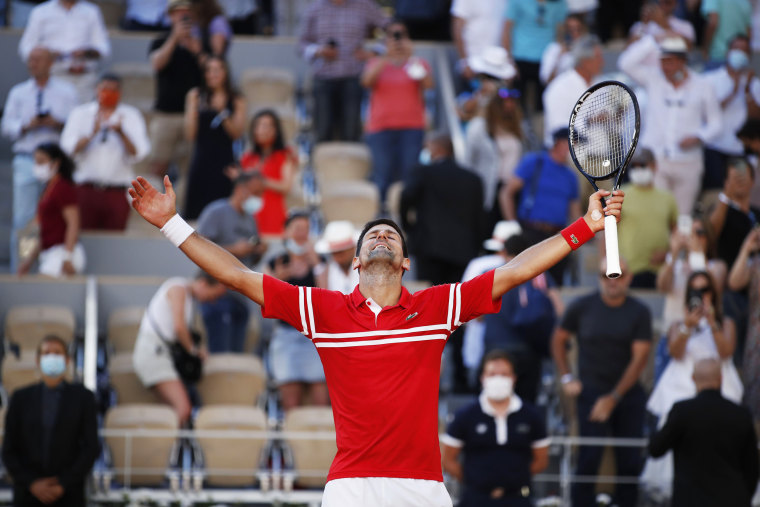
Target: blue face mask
252,205
737,59
53,365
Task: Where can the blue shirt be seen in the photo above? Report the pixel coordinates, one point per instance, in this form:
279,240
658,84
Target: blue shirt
533,26
556,188
497,451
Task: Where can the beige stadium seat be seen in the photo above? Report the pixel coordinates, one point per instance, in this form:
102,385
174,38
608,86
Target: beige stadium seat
112,12
393,200
27,325
148,455
341,161
21,371
126,383
268,87
123,325
231,461
138,85
356,201
232,379
312,458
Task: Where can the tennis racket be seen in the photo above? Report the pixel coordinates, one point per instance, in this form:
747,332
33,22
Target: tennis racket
604,131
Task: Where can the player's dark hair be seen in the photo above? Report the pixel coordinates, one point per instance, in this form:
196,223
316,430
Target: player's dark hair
381,221
716,302
110,76
497,355
53,338
296,213
56,154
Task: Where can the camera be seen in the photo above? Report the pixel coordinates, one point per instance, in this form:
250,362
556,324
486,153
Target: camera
332,43
694,298
397,35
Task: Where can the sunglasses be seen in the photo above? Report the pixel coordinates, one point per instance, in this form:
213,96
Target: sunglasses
506,93
604,276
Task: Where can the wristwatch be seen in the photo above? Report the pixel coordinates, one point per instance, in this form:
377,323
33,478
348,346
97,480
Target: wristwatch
566,378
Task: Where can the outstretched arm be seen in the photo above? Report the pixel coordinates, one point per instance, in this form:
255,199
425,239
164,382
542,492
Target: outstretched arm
158,209
549,252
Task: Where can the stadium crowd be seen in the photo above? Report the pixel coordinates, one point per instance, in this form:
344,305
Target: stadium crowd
690,229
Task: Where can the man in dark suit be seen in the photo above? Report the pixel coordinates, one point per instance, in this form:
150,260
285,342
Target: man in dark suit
444,238
51,438
714,446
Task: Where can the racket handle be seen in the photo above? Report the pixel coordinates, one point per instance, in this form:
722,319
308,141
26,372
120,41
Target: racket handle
611,244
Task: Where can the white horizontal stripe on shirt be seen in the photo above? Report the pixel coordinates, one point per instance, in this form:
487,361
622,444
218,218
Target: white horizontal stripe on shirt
381,332
386,341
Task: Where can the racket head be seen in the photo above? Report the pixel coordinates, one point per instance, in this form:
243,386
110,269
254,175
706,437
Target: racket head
604,130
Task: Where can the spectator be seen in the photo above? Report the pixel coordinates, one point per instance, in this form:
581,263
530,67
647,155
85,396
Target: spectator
332,41
613,335
105,138
277,163
147,15
736,88
502,438
702,432
211,28
745,276
682,114
472,341
339,242
168,319
492,70
294,362
59,250
50,439
749,135
397,82
34,113
494,145
542,214
475,26
174,58
230,224
530,27
73,31
725,19
690,251
614,17
428,194
658,18
558,56
651,215
523,327
563,92
243,15
214,119
425,20
702,334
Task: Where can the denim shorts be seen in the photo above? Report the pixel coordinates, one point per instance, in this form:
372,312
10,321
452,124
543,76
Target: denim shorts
293,358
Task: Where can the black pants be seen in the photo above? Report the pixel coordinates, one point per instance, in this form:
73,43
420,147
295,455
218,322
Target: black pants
715,169
337,104
529,78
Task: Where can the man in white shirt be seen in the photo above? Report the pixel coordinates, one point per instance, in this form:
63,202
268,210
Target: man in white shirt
339,241
34,113
736,88
565,90
682,114
105,138
476,25
73,30
657,18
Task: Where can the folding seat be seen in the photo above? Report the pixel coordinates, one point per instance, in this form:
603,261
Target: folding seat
311,458
268,87
123,325
356,201
27,325
341,161
232,379
138,84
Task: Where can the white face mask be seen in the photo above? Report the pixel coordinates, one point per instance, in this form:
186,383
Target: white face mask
697,261
498,387
42,172
252,205
641,176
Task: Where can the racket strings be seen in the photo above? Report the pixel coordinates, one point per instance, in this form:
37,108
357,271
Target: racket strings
604,131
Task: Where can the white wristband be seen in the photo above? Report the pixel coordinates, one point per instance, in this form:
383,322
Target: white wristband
177,230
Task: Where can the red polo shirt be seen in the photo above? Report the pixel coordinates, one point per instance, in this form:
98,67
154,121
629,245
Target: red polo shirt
382,370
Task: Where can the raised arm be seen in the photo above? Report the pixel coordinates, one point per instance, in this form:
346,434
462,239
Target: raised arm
159,209
549,252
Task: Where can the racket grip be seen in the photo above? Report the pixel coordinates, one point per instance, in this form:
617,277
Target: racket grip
611,244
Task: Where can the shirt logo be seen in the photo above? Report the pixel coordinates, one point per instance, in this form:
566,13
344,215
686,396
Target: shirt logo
574,239
411,316
481,428
523,428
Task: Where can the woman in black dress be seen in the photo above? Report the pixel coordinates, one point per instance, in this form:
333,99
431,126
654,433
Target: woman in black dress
214,119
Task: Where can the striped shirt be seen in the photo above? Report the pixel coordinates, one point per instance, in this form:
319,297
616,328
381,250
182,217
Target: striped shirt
382,367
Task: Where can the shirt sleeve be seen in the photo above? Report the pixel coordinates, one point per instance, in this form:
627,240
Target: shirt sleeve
632,59
709,7
70,134
473,298
712,114
12,123
643,331
459,8
208,224
539,438
31,36
512,11
549,61
99,37
134,127
455,432
282,301
66,195
220,25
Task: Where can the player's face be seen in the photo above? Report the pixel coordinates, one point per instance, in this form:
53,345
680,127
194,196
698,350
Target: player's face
382,244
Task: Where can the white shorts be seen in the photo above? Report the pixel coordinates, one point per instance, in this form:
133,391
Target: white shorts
51,260
152,360
385,492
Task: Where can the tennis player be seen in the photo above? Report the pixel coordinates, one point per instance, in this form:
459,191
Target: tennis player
380,345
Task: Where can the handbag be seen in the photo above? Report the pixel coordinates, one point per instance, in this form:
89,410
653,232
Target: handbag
188,366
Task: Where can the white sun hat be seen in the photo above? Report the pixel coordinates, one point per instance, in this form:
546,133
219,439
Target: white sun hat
339,235
493,61
502,231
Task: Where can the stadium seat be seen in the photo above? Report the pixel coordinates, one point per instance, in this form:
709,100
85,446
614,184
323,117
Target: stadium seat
231,461
123,325
27,325
268,87
356,201
148,457
341,161
126,383
112,12
393,200
138,86
311,458
232,379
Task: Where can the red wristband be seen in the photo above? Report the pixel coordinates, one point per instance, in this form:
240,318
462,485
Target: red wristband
577,233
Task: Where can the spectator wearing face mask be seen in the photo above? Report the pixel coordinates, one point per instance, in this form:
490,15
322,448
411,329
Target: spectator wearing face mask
502,438
644,238
51,434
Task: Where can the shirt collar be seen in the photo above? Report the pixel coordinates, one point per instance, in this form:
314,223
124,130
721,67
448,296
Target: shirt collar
515,404
405,301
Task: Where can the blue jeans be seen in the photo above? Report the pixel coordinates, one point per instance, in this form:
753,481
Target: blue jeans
26,194
226,321
626,421
337,106
394,153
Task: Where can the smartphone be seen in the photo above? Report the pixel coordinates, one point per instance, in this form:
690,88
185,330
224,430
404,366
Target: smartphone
684,224
332,43
396,35
694,298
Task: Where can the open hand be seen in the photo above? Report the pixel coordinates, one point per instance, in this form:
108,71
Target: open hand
152,205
